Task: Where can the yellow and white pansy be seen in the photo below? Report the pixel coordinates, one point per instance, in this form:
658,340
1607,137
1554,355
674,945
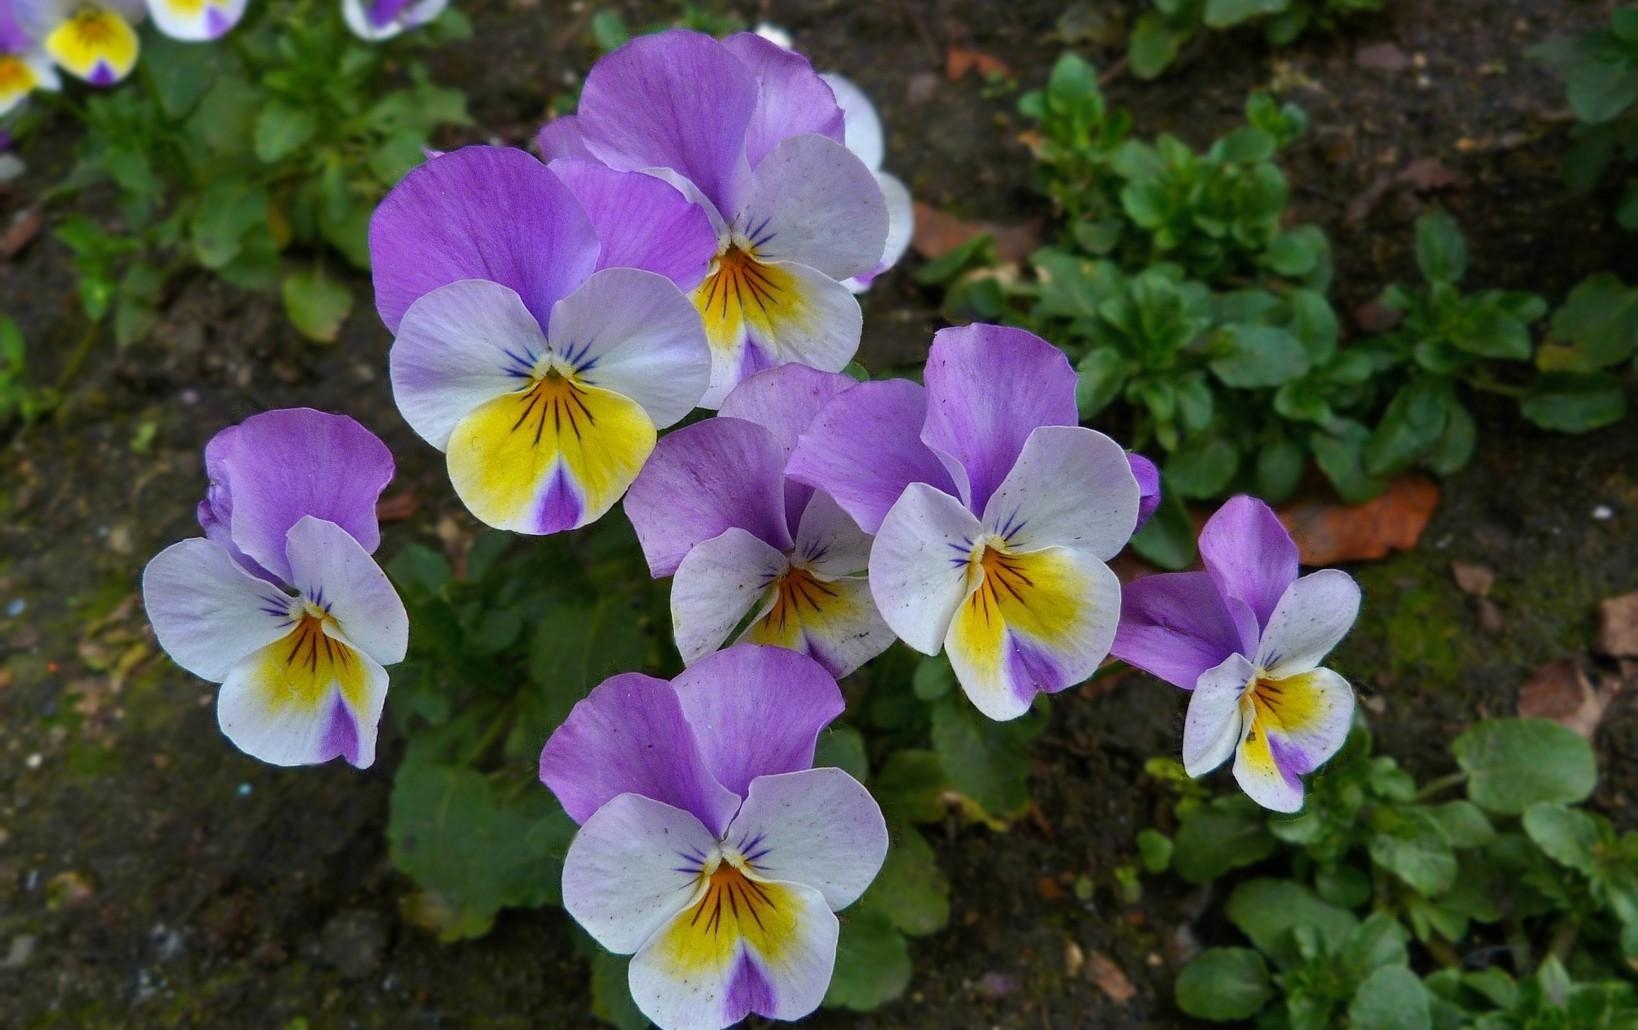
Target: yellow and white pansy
93,40
196,20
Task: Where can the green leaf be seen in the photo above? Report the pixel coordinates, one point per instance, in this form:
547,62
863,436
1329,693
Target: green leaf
1378,941
1600,90
843,747
1221,14
1456,444
1599,324
933,678
1411,425
1099,378
1392,998
1167,539
1156,849
910,786
1226,833
1267,911
611,992
1279,467
911,889
609,30
394,157
226,211
1408,842
872,963
1258,355
315,303
1463,823
1441,253
418,567
1153,46
1565,835
988,761
456,833
282,129
1574,402
1341,456
1223,985
576,646
1203,467
1513,763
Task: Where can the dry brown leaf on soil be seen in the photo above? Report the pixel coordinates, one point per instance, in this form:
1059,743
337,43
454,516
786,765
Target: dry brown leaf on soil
958,61
1426,174
937,233
1618,626
25,225
1110,978
1382,57
1561,692
1331,533
397,507
1472,579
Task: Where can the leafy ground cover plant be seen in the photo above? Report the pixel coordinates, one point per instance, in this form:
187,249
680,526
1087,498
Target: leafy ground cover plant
1201,324
1600,72
257,159
1390,903
1162,32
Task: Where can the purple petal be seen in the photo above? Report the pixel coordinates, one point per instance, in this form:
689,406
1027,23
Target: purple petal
341,737
784,401
757,711
1249,554
864,448
13,38
792,100
273,468
1148,479
630,736
642,221
678,100
479,213
1177,625
701,480
988,388
561,138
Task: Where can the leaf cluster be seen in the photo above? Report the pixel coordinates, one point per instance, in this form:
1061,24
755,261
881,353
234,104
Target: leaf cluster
1600,73
1512,907
252,160
1164,30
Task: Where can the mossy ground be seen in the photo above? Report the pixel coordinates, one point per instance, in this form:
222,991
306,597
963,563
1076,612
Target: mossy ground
151,875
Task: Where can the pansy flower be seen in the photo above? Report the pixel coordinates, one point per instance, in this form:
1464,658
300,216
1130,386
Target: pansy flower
709,847
1247,636
865,138
24,67
196,20
540,358
94,40
751,130
994,512
281,602
377,20
713,508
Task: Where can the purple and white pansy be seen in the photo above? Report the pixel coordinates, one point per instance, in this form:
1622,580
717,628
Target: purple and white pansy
1247,637
994,513
750,130
281,602
714,509
709,847
377,20
542,334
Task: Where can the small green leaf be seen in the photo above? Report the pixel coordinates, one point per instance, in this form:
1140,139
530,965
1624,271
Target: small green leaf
1203,467
315,303
1099,378
1566,835
1441,253
1411,425
1464,824
1408,842
1224,985
226,211
910,786
988,761
1341,456
1258,355
1513,763
872,963
843,747
1268,910
611,992
1574,402
1599,324
1167,539
1156,849
1226,833
911,889
609,30
1600,90
1279,467
933,678
1222,14
1392,998
1153,46
283,128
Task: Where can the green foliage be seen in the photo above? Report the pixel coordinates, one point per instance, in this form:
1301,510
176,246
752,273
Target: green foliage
1367,901
18,400
1201,327
258,160
1600,72
1162,32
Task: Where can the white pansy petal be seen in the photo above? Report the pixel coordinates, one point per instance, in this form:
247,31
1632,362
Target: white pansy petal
818,827
1211,730
813,202
633,866
828,541
633,332
303,700
918,565
863,126
207,611
458,347
334,572
717,584
771,952
1071,487
1312,617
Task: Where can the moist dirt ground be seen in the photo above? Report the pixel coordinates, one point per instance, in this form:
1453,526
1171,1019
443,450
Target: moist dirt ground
150,875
